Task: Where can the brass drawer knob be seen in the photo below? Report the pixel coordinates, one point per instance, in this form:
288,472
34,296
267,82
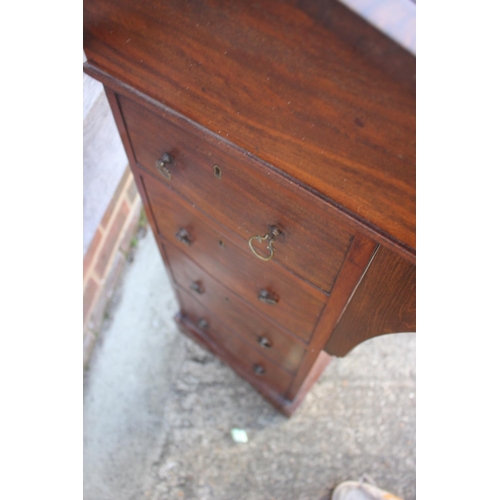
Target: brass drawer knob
268,297
259,369
203,324
265,342
197,287
183,236
270,237
161,166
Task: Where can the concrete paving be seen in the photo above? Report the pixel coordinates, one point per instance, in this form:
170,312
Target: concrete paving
158,413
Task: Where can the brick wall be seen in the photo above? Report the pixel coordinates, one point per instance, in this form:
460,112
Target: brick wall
105,258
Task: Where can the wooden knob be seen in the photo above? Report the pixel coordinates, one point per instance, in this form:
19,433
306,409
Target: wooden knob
196,287
183,236
264,342
268,297
259,369
203,324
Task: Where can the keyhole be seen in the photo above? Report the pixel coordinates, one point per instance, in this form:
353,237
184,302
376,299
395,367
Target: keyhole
217,172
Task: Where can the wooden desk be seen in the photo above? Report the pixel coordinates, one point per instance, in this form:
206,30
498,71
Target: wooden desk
273,144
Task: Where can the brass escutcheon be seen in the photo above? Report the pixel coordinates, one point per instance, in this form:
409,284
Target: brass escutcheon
271,236
161,166
217,172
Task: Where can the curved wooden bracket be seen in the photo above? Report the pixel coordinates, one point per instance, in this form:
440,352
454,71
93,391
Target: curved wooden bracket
384,302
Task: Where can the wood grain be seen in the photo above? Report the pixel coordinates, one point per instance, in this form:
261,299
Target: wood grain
358,258
273,80
310,115
190,329
385,302
364,39
247,198
248,357
231,262
238,316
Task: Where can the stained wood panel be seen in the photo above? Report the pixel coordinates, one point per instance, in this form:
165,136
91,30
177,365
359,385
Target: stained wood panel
268,337
271,79
384,302
217,251
251,360
248,196
310,115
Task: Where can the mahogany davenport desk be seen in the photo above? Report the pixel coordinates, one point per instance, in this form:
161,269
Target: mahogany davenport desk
273,144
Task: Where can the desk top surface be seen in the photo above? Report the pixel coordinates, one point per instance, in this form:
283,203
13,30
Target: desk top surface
307,86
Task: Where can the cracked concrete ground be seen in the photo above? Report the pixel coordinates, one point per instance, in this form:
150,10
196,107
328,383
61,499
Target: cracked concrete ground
158,413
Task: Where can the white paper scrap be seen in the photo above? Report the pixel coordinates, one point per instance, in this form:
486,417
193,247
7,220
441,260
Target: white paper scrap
239,435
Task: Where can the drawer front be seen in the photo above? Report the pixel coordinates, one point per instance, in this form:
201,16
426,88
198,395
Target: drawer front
266,285
253,363
263,335
242,194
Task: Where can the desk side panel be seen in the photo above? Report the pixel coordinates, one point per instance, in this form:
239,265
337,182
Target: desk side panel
385,302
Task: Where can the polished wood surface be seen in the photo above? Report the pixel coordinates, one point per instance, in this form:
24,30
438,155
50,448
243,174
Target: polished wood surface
289,114
272,80
349,219
366,41
247,197
253,362
358,259
271,340
190,329
384,302
217,251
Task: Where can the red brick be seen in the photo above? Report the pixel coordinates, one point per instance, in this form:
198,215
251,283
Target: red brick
91,251
88,297
106,293
132,191
130,230
116,196
111,239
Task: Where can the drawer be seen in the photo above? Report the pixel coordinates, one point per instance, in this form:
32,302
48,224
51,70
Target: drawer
267,286
246,196
270,340
253,363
